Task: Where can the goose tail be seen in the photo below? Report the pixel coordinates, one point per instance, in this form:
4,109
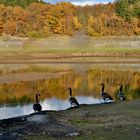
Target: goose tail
110,98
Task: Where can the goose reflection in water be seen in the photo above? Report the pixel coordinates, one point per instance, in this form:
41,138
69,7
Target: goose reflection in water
48,104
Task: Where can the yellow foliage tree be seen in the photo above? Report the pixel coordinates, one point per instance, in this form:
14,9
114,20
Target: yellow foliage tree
136,26
77,24
1,25
90,27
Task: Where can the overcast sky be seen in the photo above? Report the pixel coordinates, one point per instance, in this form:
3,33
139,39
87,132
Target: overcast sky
81,2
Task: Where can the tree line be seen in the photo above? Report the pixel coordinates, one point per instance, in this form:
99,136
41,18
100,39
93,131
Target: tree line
21,3
34,18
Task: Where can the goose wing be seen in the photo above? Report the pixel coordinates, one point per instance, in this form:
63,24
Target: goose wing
37,107
121,96
106,96
73,100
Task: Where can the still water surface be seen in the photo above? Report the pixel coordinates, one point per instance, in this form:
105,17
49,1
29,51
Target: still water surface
20,82
51,104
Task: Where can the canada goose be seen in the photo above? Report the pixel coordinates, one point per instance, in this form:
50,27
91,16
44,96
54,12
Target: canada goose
105,95
121,96
37,106
72,100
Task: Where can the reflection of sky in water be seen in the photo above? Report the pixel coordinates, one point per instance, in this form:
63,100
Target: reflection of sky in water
51,104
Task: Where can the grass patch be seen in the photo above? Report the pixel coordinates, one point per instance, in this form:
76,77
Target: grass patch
39,137
81,122
69,45
110,133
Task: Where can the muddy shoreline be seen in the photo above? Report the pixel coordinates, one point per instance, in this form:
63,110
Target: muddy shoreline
71,59
118,121
62,55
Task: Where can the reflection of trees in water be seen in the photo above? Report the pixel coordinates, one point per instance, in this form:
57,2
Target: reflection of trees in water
25,91
88,84
130,80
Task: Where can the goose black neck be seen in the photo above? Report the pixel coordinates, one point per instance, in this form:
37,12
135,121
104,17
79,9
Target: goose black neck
121,86
70,91
37,98
103,86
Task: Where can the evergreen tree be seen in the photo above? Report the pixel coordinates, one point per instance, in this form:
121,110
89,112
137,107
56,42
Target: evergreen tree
136,9
128,9
22,3
133,1
122,8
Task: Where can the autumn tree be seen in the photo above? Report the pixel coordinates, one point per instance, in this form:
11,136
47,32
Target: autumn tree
34,18
77,24
15,21
2,10
10,27
60,16
91,25
20,17
135,25
37,18
1,25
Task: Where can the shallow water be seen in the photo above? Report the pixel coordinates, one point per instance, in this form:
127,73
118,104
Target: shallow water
20,82
10,110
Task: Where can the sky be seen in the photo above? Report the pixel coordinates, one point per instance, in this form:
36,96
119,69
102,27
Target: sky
81,2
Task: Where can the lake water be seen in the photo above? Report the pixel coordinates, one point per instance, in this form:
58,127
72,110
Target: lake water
20,82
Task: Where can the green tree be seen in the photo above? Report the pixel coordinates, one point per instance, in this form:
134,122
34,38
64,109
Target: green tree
122,8
136,9
128,9
133,1
22,3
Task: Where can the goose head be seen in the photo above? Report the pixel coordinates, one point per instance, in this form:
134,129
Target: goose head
121,86
37,97
37,94
102,84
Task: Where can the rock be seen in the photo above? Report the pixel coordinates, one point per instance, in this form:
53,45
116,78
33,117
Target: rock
73,134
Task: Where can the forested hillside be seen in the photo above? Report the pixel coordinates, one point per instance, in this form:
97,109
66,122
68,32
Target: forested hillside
22,3
34,18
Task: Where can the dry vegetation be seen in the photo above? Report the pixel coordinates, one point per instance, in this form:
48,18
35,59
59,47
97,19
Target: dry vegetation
66,47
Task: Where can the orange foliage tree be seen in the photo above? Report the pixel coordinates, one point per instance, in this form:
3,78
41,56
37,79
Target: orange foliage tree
42,19
61,18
